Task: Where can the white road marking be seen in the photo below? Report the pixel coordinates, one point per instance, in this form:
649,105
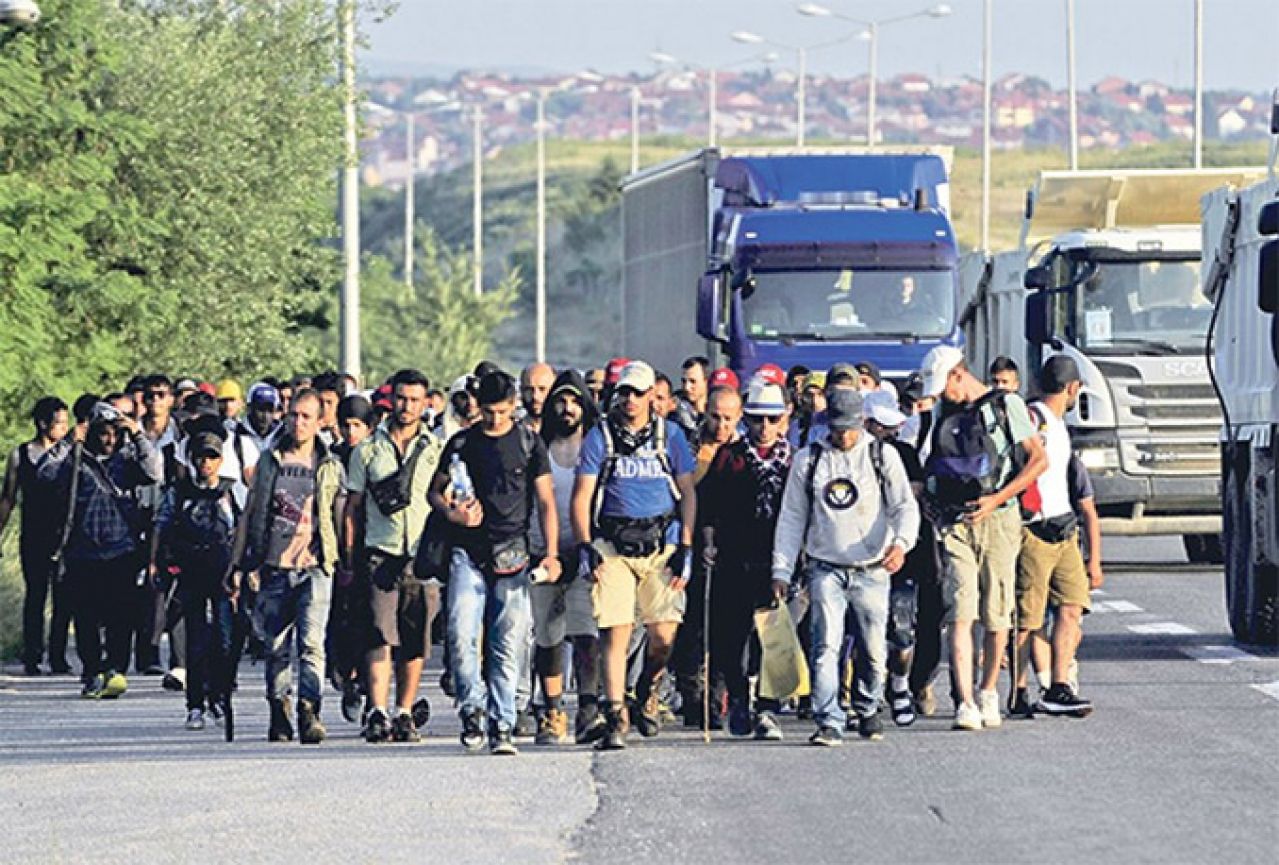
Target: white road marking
1218,654
1271,690
1125,607
1166,628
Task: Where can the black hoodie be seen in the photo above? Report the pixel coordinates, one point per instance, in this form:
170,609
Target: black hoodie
570,380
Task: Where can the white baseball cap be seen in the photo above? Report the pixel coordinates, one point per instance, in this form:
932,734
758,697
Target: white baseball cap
881,407
936,366
638,376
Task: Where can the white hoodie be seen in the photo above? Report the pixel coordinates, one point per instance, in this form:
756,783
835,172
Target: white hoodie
851,524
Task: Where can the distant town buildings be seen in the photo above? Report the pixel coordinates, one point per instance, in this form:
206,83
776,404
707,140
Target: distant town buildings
913,108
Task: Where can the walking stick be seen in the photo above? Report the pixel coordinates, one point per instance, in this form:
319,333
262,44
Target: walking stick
706,657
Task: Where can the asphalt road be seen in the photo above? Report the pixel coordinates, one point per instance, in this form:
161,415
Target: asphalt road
1180,763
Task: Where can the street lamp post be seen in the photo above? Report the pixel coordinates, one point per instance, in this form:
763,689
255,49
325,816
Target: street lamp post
349,302
1072,97
635,120
1199,83
746,37
540,338
988,12
712,85
871,35
477,198
411,159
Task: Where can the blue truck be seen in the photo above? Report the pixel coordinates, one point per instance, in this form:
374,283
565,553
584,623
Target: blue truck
790,257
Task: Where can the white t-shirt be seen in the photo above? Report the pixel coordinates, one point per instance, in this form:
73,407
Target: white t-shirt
1054,485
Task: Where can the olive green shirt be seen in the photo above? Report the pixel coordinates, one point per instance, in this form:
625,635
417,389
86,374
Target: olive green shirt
377,458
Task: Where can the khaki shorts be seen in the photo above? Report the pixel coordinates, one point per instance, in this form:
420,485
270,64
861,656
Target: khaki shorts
1049,573
981,568
631,588
561,611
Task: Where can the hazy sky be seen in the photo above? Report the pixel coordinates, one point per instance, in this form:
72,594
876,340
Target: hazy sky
1132,38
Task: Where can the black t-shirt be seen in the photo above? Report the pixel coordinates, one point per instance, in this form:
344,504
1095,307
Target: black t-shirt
503,478
44,505
910,460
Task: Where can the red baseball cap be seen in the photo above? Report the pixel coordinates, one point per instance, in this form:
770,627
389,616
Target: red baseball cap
207,387
613,371
725,377
772,374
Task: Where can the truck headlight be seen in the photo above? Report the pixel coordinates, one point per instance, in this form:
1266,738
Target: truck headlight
1099,458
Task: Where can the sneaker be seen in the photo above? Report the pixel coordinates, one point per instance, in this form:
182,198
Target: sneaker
377,728
988,703
195,719
1021,707
116,685
739,719
446,684
590,726
552,729
310,728
870,727
473,730
766,728
525,725
647,723
351,702
1060,700
967,717
404,730
31,668
92,689
280,728
215,711
827,737
500,744
421,713
902,707
59,668
616,724
175,679
155,669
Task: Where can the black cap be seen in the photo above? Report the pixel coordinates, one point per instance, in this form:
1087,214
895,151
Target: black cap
205,444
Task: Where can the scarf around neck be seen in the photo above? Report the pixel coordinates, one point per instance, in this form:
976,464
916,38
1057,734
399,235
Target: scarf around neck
769,474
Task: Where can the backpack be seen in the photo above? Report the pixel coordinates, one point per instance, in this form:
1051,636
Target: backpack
610,462
198,536
965,460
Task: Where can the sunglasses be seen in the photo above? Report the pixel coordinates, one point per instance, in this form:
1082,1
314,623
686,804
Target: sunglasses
630,393
155,394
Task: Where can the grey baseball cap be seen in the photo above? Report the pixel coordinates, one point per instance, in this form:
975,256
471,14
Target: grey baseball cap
844,408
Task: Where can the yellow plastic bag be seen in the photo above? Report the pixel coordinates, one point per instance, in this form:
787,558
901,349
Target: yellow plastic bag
783,670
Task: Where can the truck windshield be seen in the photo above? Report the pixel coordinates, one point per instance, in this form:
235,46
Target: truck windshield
1127,306
849,304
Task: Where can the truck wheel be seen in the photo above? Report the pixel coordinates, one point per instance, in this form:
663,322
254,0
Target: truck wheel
1203,549
1194,548
1264,606
1238,547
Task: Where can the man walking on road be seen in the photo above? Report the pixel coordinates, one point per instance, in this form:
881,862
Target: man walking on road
388,491
43,514
1051,568
535,386
289,535
972,483
103,549
486,486
634,510
849,509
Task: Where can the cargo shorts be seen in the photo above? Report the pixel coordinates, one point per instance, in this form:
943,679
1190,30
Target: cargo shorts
561,611
635,587
1049,573
980,569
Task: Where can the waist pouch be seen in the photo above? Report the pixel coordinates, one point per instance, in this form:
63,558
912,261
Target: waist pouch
387,572
1053,530
509,557
390,494
636,538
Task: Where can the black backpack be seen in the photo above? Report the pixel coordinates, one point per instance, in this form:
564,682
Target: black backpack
965,460
198,536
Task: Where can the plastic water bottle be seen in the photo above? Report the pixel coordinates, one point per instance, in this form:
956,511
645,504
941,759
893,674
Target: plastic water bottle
460,480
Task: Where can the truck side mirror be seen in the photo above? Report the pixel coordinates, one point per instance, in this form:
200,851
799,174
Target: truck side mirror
1037,279
709,305
1268,219
1037,332
1268,277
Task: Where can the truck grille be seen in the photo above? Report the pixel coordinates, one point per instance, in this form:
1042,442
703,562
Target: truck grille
1177,457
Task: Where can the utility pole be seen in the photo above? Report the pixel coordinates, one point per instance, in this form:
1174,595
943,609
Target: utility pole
800,97
713,108
873,71
477,198
635,121
1071,86
1199,83
540,338
350,297
411,159
987,28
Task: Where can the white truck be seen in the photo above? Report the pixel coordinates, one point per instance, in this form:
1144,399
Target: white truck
1242,281
1107,272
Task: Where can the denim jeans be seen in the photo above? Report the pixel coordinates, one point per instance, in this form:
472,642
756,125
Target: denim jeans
294,603
497,612
209,619
863,593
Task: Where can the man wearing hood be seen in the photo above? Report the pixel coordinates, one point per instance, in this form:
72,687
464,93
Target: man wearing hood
562,610
102,545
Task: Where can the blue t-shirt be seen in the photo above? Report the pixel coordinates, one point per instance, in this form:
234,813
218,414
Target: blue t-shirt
637,487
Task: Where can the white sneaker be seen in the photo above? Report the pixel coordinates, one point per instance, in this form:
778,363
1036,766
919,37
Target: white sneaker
967,717
988,701
195,719
175,679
